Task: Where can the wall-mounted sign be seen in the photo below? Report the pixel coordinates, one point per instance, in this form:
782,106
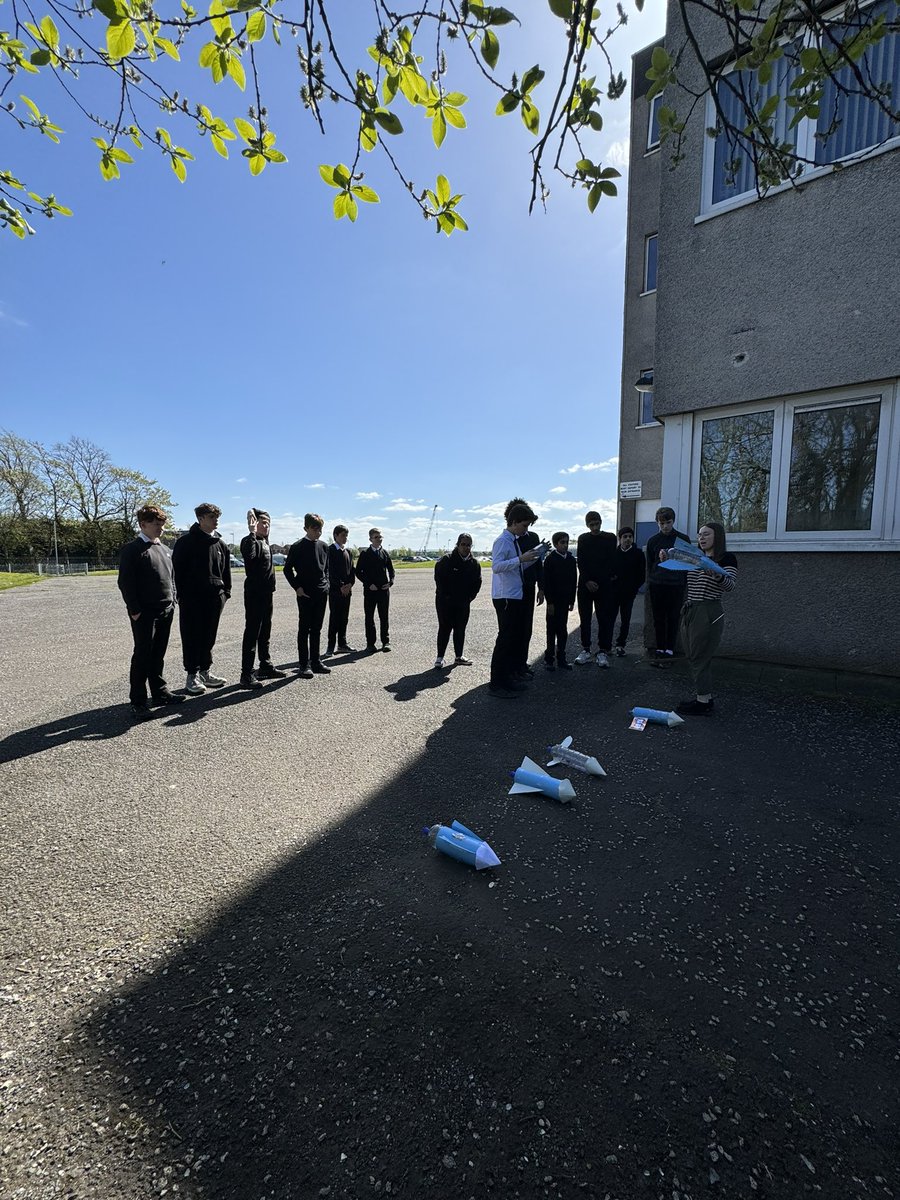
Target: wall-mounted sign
630,490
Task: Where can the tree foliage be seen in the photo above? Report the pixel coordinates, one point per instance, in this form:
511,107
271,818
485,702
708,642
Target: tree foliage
143,75
74,484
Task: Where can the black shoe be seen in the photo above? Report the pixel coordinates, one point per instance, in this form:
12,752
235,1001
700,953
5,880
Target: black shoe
695,708
270,672
620,651
247,681
304,672
371,649
168,698
564,665
549,664
502,693
140,712
320,669
345,649
386,647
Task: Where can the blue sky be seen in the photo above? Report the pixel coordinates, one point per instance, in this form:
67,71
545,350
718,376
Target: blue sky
229,338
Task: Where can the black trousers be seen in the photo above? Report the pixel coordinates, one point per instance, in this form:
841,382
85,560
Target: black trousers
529,591
506,661
603,603
338,616
624,605
557,632
151,639
453,617
198,620
257,628
666,601
380,600
311,614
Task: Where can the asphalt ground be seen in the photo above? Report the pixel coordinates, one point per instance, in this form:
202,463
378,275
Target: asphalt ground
231,967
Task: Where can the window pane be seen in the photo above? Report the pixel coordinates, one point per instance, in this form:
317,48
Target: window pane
735,468
646,413
653,126
849,122
734,172
832,481
650,263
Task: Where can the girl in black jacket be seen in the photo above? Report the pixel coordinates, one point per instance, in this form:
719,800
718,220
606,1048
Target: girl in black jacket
457,581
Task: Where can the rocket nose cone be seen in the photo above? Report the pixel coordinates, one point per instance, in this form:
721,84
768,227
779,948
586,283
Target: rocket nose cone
485,857
566,791
674,719
594,767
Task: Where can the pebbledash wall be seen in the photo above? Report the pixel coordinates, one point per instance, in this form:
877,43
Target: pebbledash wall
777,326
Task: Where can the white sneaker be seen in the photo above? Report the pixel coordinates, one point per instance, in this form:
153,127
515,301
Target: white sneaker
212,681
602,659
462,661
193,686
438,663
583,657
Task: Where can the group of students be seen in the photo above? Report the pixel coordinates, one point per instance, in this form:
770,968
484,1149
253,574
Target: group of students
602,581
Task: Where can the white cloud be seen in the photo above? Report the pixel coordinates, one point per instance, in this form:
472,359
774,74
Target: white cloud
314,486
608,464
558,491
241,480
566,506
617,154
8,316
405,506
368,495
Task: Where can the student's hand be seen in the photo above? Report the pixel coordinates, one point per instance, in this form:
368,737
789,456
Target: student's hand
385,587
663,555
373,587
571,607
550,610
345,589
592,587
300,592
135,616
540,599
528,557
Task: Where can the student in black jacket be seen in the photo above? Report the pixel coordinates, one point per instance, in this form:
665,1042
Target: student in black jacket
457,581
202,565
375,572
259,588
341,578
148,589
630,575
560,587
666,588
596,588
306,570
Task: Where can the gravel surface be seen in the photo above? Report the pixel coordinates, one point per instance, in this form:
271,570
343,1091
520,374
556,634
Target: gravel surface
231,967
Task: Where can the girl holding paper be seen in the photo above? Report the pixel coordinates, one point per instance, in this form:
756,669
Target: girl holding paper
703,617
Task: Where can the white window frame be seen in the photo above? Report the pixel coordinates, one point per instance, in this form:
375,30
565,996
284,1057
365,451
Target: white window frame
653,108
645,290
806,148
885,531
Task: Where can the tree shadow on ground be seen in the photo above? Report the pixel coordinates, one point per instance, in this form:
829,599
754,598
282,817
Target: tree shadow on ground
686,978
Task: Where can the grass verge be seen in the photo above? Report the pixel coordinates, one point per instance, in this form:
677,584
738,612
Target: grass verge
11,579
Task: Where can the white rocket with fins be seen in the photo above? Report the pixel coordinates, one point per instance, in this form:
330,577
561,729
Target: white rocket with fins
574,758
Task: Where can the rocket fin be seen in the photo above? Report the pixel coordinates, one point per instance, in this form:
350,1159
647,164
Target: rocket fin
566,742
528,765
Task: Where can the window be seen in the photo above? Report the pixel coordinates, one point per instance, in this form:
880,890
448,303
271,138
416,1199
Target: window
800,470
649,264
847,123
645,410
653,123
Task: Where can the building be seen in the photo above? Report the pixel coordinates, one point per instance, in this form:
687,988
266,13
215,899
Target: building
768,354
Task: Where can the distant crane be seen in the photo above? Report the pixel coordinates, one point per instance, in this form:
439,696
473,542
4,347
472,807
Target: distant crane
430,527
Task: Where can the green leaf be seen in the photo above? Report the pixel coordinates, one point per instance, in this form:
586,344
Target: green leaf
34,108
120,155
439,128
352,209
455,118
501,16
257,164
388,121
390,87
120,40
562,9
208,54
365,194
443,190
341,201
113,10
456,99
179,168
531,118
368,137
659,60
218,145
168,47
459,222
256,26
276,156
245,129
594,197
531,79
490,48
108,168
507,104
39,58
327,174
49,32
236,71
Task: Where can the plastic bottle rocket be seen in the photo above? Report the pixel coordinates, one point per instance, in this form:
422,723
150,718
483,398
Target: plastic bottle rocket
456,841
532,778
657,717
563,753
